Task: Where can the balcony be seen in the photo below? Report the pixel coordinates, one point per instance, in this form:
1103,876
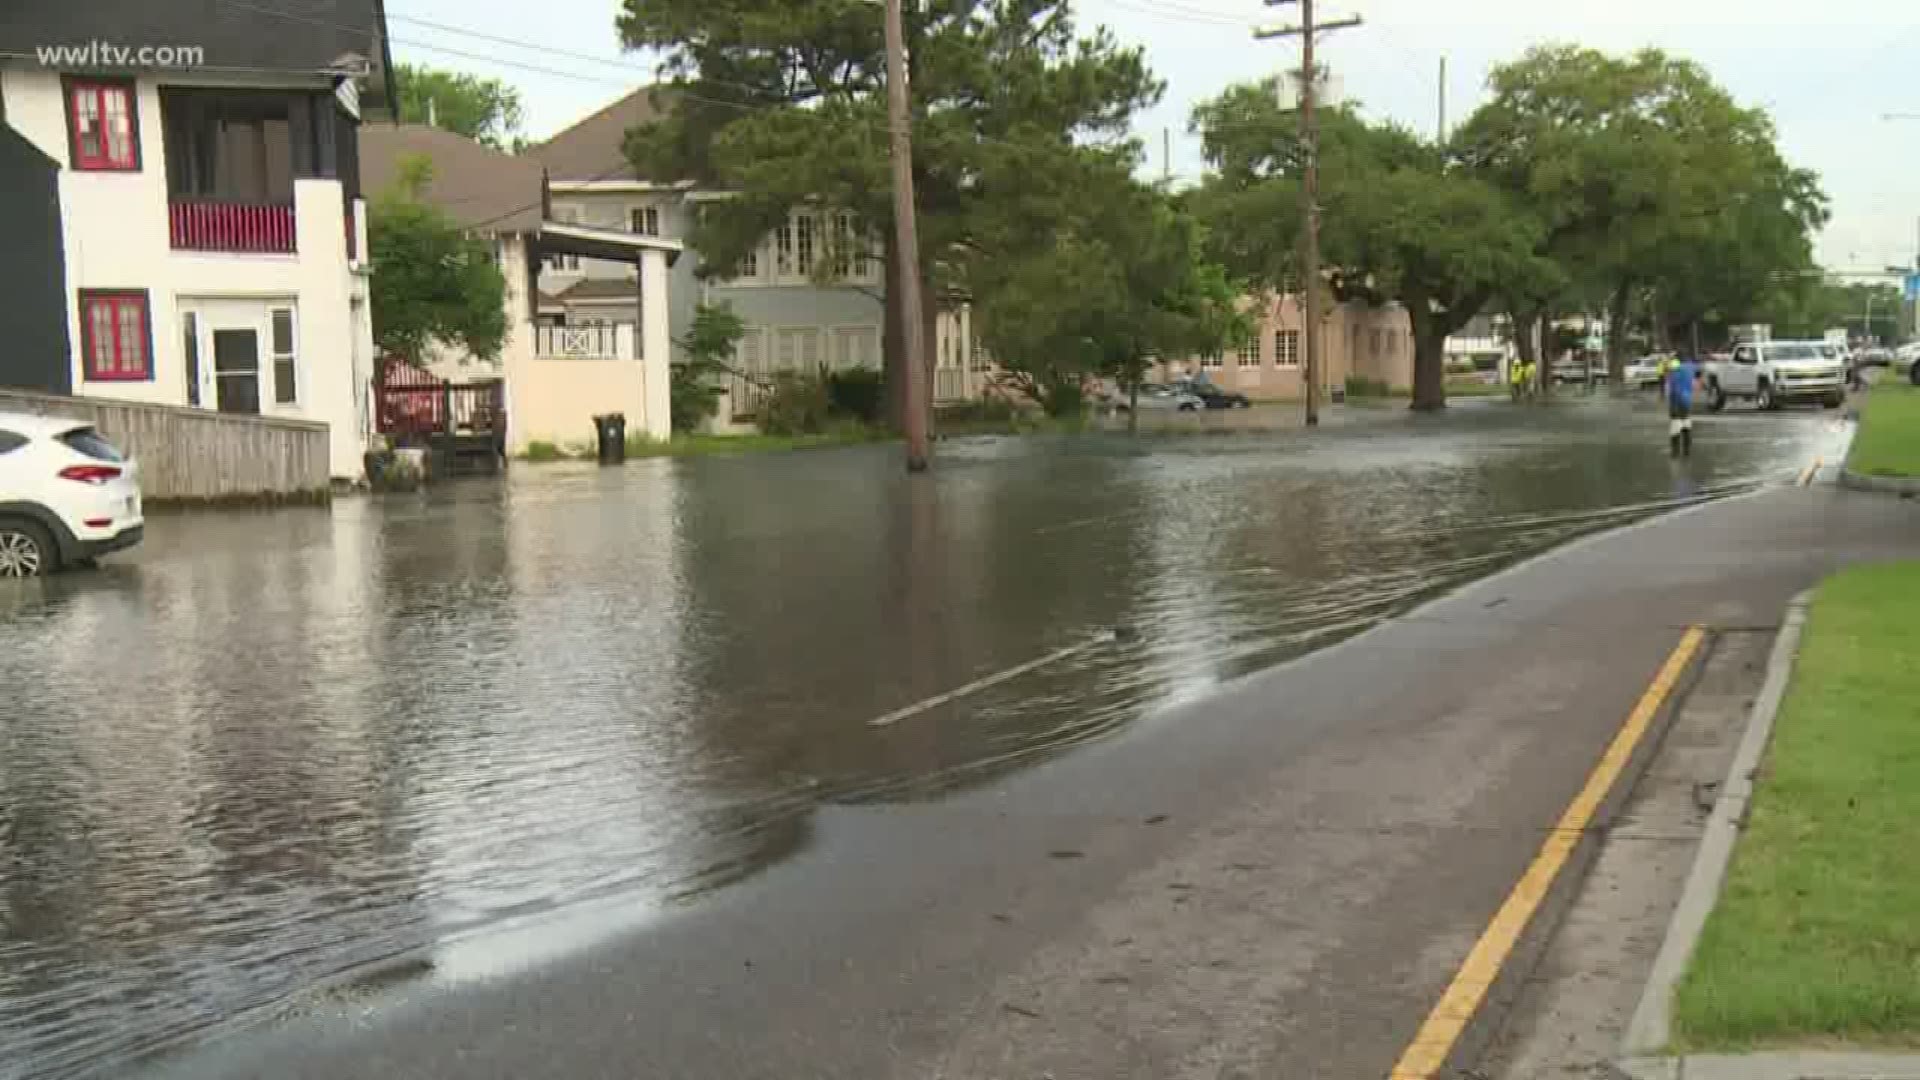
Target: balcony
249,228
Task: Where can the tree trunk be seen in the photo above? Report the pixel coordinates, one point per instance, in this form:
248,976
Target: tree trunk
930,317
1429,360
893,336
1619,306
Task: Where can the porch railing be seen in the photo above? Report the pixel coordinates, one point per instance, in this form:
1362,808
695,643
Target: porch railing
600,341
254,228
408,401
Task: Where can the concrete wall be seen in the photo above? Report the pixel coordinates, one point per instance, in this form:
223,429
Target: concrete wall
115,227
555,400
191,455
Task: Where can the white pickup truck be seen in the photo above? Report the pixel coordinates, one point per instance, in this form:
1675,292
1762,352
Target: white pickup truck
1772,373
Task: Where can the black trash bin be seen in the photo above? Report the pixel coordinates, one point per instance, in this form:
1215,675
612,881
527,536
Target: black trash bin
612,431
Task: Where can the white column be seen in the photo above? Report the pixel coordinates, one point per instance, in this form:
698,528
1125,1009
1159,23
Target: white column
656,343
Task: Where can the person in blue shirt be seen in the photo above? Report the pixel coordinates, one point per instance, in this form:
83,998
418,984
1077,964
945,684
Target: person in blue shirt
1681,379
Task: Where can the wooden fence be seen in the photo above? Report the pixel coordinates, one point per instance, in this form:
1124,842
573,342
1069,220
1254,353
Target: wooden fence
196,456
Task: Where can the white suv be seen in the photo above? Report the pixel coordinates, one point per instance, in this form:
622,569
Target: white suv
1775,372
66,495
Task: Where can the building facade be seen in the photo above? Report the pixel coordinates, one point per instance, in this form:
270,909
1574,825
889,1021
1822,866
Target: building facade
811,296
1374,343
201,226
558,375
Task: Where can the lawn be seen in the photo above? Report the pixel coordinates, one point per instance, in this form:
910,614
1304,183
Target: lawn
1888,442
1816,937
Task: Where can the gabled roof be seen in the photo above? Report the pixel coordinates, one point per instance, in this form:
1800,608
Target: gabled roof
304,36
477,186
593,148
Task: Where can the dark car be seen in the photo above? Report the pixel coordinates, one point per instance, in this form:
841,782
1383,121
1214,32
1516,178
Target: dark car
1216,398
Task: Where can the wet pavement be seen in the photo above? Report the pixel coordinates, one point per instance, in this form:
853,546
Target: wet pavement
269,748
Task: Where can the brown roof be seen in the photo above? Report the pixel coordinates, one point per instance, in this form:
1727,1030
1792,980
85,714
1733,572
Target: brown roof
593,148
477,186
601,289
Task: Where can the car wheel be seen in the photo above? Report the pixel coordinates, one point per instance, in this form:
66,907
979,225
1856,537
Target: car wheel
1716,397
1768,401
26,550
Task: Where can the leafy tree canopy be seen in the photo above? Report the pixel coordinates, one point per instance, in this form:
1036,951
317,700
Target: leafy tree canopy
1402,220
431,282
484,110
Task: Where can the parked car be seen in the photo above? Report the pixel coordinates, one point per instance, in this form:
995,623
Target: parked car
1772,373
66,495
1158,397
1214,397
1645,372
1874,357
1904,363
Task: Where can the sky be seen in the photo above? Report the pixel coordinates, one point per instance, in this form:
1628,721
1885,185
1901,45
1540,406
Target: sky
1828,73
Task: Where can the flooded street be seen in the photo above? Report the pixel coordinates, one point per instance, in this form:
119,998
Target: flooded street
269,747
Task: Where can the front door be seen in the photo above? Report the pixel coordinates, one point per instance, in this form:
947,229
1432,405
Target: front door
236,369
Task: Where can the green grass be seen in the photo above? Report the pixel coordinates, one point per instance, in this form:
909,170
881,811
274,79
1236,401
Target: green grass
1888,442
639,446
1816,938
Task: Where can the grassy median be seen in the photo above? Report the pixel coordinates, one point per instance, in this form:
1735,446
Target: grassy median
1888,442
1816,937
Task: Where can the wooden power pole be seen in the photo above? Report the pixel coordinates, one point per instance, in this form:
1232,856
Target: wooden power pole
1306,31
914,333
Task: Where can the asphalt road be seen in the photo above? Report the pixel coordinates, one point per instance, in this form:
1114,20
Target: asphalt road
1277,880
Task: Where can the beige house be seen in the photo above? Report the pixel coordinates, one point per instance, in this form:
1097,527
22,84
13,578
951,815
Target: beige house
557,377
1355,339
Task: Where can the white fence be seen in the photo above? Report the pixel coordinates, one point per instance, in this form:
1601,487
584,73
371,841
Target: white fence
600,341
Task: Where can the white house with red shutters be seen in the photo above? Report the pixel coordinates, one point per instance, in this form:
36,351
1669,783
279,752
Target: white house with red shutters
193,232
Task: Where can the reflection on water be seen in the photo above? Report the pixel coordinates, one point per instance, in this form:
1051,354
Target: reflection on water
273,746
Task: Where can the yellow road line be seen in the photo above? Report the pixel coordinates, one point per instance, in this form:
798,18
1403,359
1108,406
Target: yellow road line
1812,470
1427,1054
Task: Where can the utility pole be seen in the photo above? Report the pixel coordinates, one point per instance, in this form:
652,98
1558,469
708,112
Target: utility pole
914,333
1442,137
1310,193
1166,156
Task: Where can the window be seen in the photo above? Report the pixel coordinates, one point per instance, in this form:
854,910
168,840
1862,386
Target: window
103,131
11,441
856,347
286,385
644,220
565,215
1393,341
1286,348
1250,353
750,265
783,250
1373,343
115,334
190,348
804,227
1213,361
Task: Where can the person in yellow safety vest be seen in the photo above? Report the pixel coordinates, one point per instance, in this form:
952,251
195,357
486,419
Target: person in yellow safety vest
1516,378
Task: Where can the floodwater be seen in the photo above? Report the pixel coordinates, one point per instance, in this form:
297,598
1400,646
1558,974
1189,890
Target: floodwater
269,748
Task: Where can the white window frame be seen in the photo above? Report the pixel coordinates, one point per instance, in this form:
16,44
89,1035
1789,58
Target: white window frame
783,252
565,215
644,219
288,393
838,357
806,245
1249,353
1213,361
1286,348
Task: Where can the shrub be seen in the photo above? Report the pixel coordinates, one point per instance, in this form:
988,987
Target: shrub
694,386
992,409
797,404
857,393
538,450
1359,386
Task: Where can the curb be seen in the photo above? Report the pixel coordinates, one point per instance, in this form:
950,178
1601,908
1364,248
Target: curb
1650,1029
1888,485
